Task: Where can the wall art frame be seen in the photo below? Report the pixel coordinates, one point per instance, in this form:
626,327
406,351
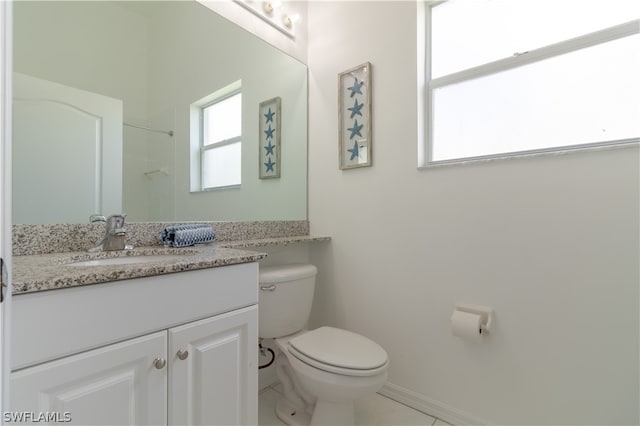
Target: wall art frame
269,138
354,106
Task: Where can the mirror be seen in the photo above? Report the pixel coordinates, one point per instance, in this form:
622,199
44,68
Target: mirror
154,59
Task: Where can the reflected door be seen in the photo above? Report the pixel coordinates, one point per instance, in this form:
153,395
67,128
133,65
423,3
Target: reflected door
67,153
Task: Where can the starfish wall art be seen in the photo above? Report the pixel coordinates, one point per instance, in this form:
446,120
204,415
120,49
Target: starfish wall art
269,156
355,117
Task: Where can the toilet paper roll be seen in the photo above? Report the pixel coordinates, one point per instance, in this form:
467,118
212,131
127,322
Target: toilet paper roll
466,326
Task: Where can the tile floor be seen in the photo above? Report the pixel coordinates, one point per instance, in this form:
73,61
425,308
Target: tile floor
375,410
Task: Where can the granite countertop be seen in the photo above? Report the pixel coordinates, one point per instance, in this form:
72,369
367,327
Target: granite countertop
280,241
33,273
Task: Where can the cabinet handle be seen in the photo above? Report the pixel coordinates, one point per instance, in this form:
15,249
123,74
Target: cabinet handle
159,363
271,287
182,354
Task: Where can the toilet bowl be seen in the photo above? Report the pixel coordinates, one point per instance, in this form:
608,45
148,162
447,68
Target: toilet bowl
322,371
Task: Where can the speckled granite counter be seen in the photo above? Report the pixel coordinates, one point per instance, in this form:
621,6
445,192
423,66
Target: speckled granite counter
65,237
55,271
33,273
280,241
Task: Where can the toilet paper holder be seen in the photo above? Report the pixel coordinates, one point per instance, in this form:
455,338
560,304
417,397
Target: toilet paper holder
485,312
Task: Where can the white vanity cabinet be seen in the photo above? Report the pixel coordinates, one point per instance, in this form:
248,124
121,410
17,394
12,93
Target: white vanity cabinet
172,349
112,385
211,385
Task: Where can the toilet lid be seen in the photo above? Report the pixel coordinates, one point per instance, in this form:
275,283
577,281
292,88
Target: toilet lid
338,348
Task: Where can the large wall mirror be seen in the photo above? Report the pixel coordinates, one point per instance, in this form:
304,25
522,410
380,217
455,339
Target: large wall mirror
104,95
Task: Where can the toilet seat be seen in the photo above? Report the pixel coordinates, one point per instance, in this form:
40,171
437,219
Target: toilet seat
339,351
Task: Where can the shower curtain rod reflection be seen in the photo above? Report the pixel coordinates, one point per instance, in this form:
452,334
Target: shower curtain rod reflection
166,132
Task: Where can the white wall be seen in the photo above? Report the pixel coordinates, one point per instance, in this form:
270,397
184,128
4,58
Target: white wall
551,243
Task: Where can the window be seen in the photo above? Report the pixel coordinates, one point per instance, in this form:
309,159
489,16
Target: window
217,140
506,77
221,142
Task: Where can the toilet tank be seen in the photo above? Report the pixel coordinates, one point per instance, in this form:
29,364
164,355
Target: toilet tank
284,299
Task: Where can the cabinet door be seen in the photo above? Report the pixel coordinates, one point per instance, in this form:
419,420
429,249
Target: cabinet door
114,385
217,382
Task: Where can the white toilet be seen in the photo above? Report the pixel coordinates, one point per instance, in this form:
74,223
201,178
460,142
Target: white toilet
322,371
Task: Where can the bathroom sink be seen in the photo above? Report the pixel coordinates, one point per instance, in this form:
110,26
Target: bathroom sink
129,258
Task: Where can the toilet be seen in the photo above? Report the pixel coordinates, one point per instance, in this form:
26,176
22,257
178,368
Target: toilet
322,371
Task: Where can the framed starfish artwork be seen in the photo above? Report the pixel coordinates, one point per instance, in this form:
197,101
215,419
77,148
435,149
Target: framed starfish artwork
269,156
354,103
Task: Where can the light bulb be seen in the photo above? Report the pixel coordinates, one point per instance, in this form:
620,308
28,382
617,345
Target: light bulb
267,6
289,20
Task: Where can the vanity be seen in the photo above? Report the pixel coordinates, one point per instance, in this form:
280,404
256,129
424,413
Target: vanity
176,348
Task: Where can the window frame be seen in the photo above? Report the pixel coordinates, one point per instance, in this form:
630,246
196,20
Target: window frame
204,148
427,84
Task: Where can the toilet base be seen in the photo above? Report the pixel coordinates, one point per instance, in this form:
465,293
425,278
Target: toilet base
291,416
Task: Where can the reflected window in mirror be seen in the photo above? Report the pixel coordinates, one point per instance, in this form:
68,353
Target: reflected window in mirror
219,139
221,142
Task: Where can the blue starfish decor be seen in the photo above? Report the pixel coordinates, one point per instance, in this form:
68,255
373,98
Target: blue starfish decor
269,165
269,115
356,88
355,130
355,117
269,148
355,151
269,132
356,109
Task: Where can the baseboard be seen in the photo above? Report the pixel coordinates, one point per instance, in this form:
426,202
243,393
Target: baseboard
429,406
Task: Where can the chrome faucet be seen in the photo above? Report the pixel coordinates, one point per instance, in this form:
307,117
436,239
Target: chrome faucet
114,233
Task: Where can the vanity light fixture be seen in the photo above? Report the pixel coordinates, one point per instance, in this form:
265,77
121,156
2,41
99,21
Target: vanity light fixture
274,12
